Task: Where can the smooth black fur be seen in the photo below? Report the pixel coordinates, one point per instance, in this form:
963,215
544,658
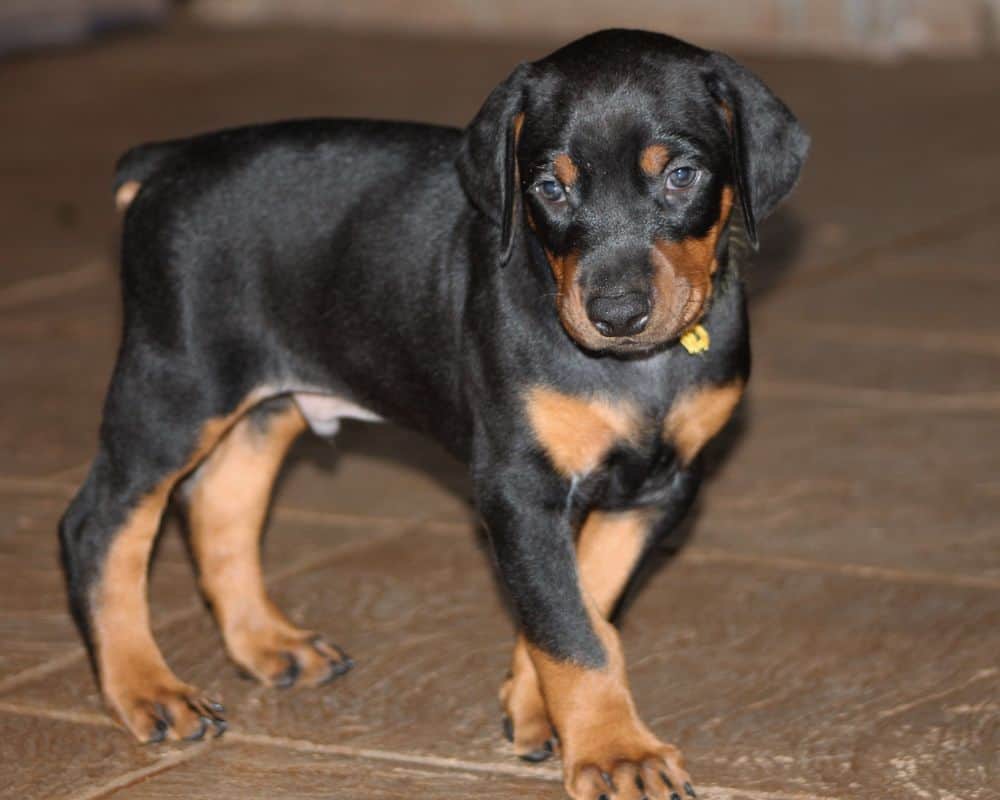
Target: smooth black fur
390,264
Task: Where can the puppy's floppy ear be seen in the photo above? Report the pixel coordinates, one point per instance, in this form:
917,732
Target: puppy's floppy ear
487,161
769,145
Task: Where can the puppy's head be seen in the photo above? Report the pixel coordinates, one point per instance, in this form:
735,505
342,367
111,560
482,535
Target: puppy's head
621,157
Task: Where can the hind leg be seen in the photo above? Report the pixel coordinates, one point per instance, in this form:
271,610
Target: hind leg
149,441
228,498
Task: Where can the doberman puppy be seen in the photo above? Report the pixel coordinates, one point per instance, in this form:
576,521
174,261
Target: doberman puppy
552,293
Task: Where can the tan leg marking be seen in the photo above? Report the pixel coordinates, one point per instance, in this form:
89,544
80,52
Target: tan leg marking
605,745
526,720
137,684
577,433
227,507
698,416
608,549
135,679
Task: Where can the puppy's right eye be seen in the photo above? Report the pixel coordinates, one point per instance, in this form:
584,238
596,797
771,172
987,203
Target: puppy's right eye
682,178
551,191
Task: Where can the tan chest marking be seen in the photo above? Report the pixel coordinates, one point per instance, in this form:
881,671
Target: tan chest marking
575,432
698,416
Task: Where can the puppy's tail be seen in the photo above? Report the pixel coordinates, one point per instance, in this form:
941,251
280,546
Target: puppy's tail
137,166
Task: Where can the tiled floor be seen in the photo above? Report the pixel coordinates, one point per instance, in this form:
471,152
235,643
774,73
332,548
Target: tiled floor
832,628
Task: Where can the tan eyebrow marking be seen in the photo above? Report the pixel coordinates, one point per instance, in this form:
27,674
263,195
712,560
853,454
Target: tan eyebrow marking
653,159
566,171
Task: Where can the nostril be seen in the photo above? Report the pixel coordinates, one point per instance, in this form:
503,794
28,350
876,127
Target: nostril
621,315
638,323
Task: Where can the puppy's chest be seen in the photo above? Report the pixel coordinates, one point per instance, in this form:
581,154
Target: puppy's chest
616,441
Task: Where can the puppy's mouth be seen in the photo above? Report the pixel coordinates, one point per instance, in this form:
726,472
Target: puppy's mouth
635,316
670,318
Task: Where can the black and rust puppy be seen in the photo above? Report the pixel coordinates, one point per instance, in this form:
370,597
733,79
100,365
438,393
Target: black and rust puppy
552,293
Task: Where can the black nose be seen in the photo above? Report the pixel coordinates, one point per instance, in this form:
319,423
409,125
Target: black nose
619,315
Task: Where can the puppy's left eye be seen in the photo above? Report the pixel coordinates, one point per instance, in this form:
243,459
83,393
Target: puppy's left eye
682,178
551,190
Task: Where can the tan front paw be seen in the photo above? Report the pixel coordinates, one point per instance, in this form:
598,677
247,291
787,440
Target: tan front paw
633,766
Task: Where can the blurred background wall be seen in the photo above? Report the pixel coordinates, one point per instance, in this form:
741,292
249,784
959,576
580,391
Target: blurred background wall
879,28
25,24
847,28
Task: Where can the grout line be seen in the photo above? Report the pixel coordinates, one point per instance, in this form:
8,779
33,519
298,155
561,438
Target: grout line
789,491
67,473
981,675
165,762
342,751
46,286
11,483
415,759
335,554
335,518
41,670
290,513
58,715
946,230
880,399
463,765
711,555
132,777
947,341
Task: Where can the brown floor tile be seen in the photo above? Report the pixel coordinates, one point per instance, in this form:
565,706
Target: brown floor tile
379,471
770,680
34,625
45,759
788,681
913,293
918,321
952,256
57,355
952,742
809,479
847,361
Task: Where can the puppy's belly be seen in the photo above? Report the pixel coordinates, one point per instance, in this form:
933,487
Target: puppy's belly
324,412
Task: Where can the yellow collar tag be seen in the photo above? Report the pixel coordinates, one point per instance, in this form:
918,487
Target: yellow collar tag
696,340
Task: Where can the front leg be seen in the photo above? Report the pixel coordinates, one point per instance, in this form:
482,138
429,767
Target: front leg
607,750
609,548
